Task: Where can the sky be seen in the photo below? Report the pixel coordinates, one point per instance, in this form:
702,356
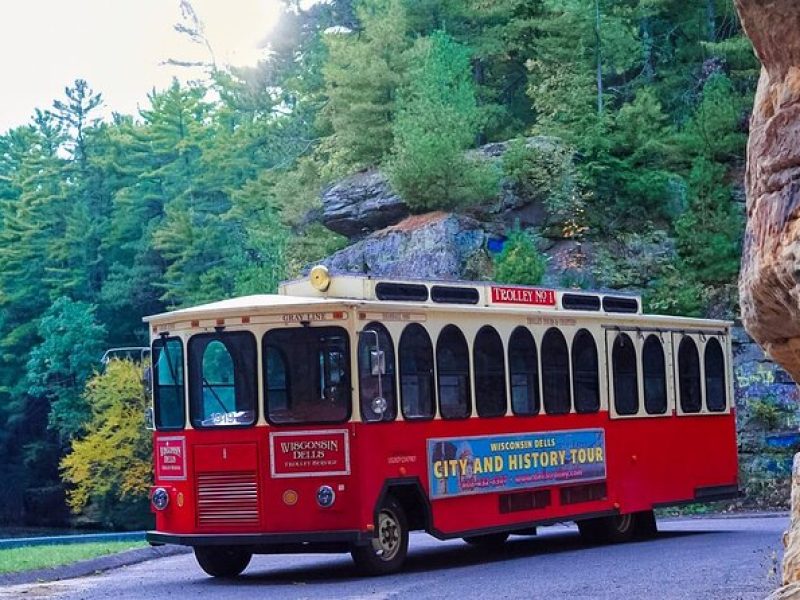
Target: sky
118,46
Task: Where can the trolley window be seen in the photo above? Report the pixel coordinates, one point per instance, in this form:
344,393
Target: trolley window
715,376
555,373
490,373
307,375
376,372
222,379
689,376
626,384
655,376
452,364
585,379
168,393
416,373
523,365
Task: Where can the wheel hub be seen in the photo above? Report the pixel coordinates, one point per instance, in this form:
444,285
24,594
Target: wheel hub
388,541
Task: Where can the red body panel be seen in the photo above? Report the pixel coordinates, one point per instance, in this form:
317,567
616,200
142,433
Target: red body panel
650,461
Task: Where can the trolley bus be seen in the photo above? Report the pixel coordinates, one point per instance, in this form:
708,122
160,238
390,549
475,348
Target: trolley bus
346,411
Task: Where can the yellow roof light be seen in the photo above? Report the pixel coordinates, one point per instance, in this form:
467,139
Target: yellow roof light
320,278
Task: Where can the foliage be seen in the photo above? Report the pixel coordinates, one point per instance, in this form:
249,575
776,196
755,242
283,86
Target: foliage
59,367
437,120
519,262
675,293
110,466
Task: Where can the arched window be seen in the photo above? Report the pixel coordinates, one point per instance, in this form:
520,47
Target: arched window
416,373
555,373
523,365
716,399
626,384
372,351
490,373
452,366
222,379
655,376
689,376
585,379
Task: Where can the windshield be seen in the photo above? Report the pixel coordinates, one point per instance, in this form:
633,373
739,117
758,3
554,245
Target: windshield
222,379
307,375
168,383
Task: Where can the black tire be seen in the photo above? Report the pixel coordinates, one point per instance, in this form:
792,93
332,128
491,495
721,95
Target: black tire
388,549
222,561
487,540
620,528
614,529
646,526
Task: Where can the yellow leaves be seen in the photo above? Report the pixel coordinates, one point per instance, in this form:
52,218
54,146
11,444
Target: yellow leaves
114,457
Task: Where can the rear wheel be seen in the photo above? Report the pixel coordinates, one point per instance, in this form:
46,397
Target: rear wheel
646,524
489,540
614,529
388,549
222,561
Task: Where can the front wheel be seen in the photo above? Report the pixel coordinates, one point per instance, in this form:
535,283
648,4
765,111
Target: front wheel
222,561
388,549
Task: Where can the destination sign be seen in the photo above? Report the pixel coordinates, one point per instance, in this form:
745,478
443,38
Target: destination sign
518,295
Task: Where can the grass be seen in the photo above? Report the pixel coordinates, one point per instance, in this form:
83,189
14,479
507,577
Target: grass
38,557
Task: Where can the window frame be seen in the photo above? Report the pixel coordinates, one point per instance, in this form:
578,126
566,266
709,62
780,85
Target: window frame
568,375
537,396
264,386
665,354
194,365
411,327
393,403
490,331
613,341
679,405
467,373
583,332
725,392
164,340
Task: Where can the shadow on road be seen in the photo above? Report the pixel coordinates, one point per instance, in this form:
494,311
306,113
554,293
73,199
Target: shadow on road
432,558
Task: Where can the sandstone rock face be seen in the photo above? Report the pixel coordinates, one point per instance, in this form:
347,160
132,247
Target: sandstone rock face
769,284
361,204
770,279
432,246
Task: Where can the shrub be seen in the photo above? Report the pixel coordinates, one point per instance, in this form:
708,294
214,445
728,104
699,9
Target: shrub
520,262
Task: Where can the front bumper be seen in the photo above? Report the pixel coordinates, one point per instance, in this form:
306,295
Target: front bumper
268,543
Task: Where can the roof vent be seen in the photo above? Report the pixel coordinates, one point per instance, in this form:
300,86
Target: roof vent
404,292
620,304
580,302
455,295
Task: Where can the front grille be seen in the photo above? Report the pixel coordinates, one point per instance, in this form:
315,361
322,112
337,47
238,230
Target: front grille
227,499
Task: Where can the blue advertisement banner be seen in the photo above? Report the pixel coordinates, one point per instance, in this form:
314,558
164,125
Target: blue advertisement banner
479,465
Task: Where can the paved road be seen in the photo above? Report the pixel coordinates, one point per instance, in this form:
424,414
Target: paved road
724,558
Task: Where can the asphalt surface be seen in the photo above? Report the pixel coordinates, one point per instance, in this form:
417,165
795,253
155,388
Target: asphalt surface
718,558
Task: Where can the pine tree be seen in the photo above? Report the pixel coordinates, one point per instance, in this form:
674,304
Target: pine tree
438,119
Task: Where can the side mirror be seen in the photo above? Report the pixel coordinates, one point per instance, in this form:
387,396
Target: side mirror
377,360
147,380
149,419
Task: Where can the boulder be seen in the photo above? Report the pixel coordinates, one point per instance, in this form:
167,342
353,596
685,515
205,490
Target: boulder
432,246
360,204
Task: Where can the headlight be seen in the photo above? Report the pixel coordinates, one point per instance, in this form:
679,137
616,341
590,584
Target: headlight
160,498
326,496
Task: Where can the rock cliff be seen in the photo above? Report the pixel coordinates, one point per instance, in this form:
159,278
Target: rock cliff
770,277
769,283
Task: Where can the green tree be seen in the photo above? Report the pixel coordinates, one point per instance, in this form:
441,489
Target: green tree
59,367
363,73
520,262
108,468
437,121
